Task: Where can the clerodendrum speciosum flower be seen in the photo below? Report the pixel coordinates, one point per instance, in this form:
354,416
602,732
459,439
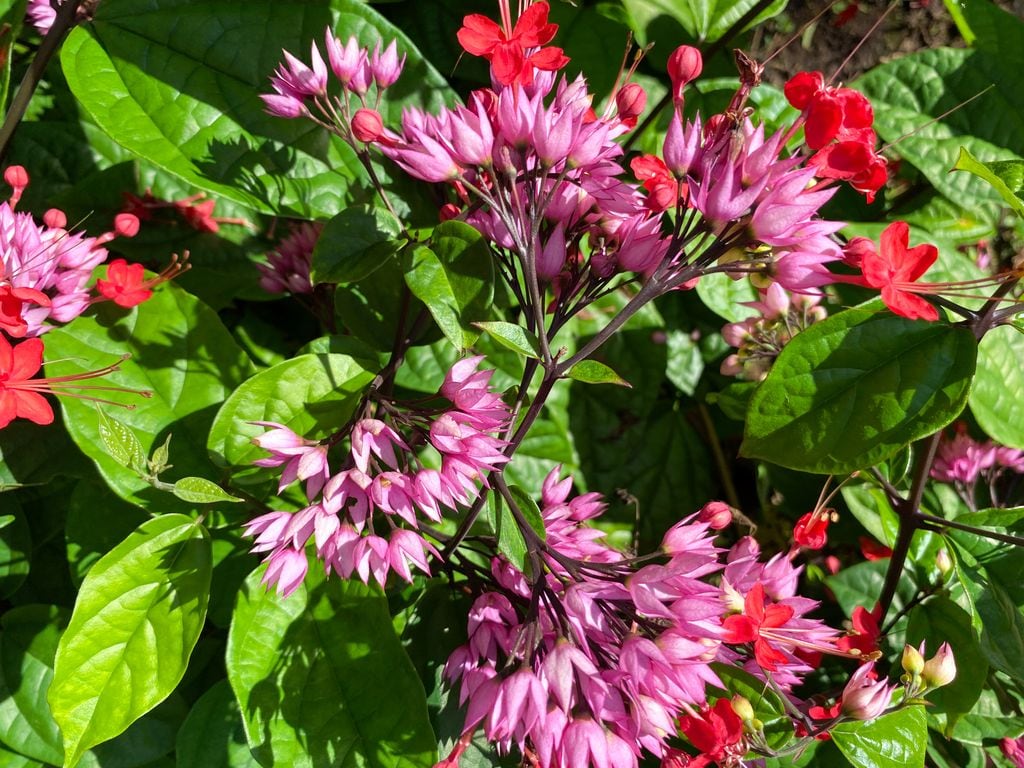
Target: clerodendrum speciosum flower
21,391
366,520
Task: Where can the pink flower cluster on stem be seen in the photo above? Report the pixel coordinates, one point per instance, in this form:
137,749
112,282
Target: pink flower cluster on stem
365,519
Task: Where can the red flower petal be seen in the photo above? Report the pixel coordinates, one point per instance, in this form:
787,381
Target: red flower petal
532,28
801,88
479,35
824,119
32,406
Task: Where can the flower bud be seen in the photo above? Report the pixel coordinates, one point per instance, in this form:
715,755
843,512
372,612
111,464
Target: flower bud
55,219
865,698
717,514
742,707
630,101
367,125
943,562
126,224
684,65
913,661
940,670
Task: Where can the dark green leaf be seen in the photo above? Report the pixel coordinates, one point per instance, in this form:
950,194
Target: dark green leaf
136,620
594,372
355,243
213,736
334,641
513,336
999,386
15,548
428,281
726,297
510,540
182,92
27,647
941,620
160,334
1002,639
896,740
855,388
703,20
311,394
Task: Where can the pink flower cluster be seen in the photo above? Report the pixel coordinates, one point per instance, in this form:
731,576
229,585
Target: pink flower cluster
594,662
366,520
45,270
302,90
288,265
962,461
760,339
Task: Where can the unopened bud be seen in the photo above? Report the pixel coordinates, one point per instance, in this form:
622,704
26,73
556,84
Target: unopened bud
630,101
55,219
684,65
913,661
367,125
16,176
717,514
943,562
449,211
126,224
742,707
940,670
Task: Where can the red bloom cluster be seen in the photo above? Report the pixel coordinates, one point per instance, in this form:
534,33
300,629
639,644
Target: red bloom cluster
510,49
837,124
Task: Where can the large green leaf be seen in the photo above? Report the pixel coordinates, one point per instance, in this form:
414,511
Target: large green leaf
1005,176
941,620
454,279
852,390
311,394
181,352
361,702
704,20
353,244
768,706
999,386
896,740
178,83
136,620
27,647
15,548
911,92
213,735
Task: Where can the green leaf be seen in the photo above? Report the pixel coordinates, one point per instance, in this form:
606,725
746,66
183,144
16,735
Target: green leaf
96,523
13,14
940,619
170,328
15,548
871,507
726,297
531,512
1006,177
355,243
509,538
335,641
121,443
917,101
594,372
999,386
28,644
513,336
311,394
852,390
136,620
768,707
1002,638
213,735
896,740
703,20
181,91
199,490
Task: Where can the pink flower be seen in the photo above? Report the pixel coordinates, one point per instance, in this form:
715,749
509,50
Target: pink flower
302,459
288,265
864,697
386,66
962,459
286,568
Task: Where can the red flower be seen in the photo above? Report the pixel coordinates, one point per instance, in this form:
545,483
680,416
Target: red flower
811,530
873,550
746,627
18,398
663,190
864,639
12,301
506,46
125,284
894,268
717,733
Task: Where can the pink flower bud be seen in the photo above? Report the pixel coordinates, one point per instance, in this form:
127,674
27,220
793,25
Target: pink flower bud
55,219
940,670
367,125
857,249
16,176
865,698
630,101
913,661
717,514
126,224
684,66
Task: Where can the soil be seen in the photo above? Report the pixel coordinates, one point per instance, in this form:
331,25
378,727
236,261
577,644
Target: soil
825,43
